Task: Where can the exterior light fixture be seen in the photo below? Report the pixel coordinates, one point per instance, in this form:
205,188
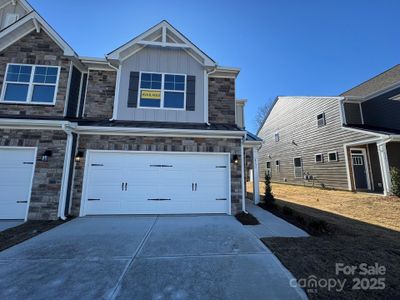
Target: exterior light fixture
46,154
79,156
235,159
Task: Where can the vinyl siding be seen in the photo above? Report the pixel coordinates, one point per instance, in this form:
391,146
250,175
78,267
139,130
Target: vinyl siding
295,118
165,61
10,8
382,112
353,113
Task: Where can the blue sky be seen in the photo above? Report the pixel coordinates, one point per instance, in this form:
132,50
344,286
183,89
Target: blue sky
283,47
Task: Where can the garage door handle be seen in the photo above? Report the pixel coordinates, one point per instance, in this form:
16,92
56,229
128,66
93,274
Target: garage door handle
126,186
192,187
221,199
93,199
158,199
22,201
195,186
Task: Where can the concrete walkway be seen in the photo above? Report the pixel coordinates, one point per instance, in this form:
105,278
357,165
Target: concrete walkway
5,224
271,225
145,257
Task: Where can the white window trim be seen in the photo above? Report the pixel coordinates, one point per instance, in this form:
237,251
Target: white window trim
324,118
277,166
162,91
294,167
277,135
269,170
322,158
30,86
337,156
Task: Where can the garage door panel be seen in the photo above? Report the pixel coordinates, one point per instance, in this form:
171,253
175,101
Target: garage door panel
16,170
159,183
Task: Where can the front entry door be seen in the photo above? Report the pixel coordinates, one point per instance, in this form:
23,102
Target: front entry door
360,172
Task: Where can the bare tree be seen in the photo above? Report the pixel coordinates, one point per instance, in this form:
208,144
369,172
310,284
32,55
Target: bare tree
261,114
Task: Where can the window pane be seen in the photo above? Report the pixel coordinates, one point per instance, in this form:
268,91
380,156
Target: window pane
332,156
43,93
19,73
150,102
45,75
150,81
16,92
297,162
173,100
174,82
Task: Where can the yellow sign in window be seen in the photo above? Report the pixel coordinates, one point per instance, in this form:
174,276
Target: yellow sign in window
146,94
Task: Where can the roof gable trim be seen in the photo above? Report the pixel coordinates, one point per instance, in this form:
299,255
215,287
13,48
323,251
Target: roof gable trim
162,35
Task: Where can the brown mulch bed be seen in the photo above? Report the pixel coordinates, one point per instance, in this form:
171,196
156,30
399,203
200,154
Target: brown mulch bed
25,231
337,239
247,218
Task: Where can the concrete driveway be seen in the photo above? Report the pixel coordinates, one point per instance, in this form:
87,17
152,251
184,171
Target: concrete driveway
145,257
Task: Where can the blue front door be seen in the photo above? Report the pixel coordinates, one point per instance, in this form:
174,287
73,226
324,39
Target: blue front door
360,172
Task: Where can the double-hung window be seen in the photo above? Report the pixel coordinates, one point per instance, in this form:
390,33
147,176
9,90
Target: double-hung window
166,91
30,84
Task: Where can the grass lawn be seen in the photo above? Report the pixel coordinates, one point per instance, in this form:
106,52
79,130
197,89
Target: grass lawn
360,228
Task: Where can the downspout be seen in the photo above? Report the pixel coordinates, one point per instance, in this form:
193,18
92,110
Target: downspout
64,180
118,78
213,70
242,167
384,163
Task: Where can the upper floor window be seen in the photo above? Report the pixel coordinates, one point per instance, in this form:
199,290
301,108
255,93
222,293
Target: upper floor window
321,120
30,84
319,158
166,91
333,156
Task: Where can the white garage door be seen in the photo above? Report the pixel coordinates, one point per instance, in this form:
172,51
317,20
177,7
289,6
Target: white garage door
16,171
156,183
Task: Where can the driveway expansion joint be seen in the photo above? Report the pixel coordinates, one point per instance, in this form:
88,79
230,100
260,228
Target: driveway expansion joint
129,264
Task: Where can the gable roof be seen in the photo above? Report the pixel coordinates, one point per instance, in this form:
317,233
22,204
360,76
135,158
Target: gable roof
30,22
378,83
162,34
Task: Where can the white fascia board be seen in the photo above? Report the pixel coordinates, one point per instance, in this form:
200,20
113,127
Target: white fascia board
32,16
252,144
116,54
366,132
35,124
159,132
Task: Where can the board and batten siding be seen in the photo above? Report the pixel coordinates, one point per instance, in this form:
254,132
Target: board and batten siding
163,61
295,118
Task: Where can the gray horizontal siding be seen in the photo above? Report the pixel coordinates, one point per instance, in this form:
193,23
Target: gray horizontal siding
296,120
165,61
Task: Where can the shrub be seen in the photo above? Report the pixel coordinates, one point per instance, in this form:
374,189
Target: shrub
395,174
268,196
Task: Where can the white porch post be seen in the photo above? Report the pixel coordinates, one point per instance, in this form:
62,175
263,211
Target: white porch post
384,163
256,177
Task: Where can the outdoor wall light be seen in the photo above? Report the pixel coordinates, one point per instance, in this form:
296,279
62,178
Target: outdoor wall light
46,154
235,159
79,156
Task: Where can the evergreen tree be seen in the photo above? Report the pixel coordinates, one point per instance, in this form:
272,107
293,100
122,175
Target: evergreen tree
395,174
268,196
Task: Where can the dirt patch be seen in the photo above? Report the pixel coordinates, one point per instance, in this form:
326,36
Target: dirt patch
247,218
365,207
348,242
23,232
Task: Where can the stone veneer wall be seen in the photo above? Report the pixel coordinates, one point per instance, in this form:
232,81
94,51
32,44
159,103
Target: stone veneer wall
131,143
221,100
100,93
36,48
47,175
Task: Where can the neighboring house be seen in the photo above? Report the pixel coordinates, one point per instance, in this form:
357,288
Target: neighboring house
152,128
345,142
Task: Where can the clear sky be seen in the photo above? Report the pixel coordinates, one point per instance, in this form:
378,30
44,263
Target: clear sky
283,47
